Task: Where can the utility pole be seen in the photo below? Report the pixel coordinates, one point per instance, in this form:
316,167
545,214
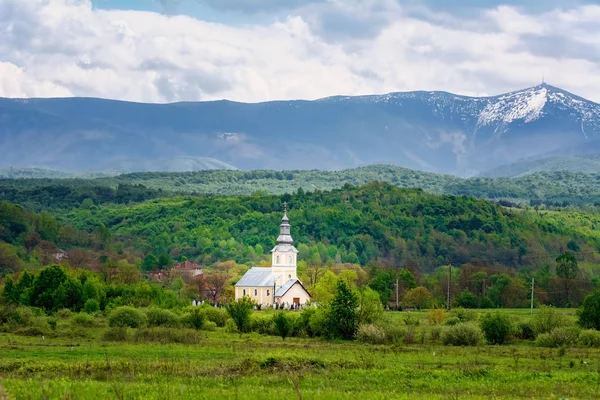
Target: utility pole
532,284
397,305
449,279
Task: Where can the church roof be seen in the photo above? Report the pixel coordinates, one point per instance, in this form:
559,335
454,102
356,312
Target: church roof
284,248
258,277
285,236
287,286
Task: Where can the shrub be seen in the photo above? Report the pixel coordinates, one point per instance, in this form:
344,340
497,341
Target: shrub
63,313
452,321
411,320
283,324
589,338
435,333
317,324
83,319
496,328
561,336
369,333
464,314
160,317
166,335
230,326
589,313
436,316
29,331
240,312
209,326
546,319
116,334
262,324
216,315
91,306
525,331
394,334
196,318
463,334
126,316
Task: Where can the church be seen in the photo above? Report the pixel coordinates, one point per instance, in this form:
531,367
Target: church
278,283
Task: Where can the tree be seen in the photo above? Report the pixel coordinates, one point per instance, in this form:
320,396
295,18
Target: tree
589,313
45,284
496,328
240,311
342,316
567,269
283,324
150,262
370,308
418,297
407,278
8,293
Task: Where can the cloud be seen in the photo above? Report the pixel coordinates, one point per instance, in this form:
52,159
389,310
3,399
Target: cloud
309,49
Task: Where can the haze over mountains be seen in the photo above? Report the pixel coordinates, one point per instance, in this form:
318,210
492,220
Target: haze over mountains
431,131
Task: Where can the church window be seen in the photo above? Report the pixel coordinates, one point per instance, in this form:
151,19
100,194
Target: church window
255,292
244,292
277,260
268,292
290,276
289,259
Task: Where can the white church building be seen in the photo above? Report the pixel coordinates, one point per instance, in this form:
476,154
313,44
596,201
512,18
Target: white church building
278,283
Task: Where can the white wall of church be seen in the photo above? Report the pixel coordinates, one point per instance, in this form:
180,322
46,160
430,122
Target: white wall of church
260,295
295,291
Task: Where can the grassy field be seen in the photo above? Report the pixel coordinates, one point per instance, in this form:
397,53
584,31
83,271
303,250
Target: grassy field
251,366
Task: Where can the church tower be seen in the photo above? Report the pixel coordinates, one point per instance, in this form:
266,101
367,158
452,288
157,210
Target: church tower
284,255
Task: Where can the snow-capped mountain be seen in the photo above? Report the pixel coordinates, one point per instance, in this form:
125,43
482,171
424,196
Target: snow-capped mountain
435,131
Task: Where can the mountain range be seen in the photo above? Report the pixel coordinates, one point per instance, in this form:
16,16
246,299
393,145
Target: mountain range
430,131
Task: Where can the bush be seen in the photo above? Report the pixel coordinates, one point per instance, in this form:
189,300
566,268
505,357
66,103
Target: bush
167,335
209,326
589,313
546,319
126,316
452,321
83,319
496,328
436,316
30,331
91,306
369,333
262,324
283,324
524,331
463,334
464,314
216,315
230,326
394,334
196,318
116,334
589,338
240,312
561,336
435,333
160,317
63,313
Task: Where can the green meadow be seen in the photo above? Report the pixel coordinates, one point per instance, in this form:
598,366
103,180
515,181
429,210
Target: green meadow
74,361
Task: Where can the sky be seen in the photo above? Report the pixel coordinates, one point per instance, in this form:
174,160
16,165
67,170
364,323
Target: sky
259,50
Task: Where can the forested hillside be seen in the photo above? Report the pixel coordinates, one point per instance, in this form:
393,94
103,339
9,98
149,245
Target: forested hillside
557,188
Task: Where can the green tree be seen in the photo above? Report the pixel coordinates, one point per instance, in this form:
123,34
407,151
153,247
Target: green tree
589,313
418,297
240,312
407,278
45,284
370,308
283,324
567,269
496,328
342,316
150,262
9,293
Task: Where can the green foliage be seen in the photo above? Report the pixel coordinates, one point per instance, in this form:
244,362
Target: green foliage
589,338
525,331
497,328
464,315
342,316
166,335
116,334
209,326
83,319
126,316
557,337
196,318
283,324
159,317
91,306
589,313
240,312
262,324
216,315
462,334
369,333
370,307
418,298
546,319
566,266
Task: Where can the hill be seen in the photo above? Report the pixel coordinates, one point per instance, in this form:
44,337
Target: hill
583,163
551,188
433,131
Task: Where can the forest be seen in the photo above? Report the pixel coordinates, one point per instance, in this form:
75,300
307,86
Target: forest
380,235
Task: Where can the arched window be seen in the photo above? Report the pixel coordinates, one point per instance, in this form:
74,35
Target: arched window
277,260
290,276
268,292
244,292
290,260
255,292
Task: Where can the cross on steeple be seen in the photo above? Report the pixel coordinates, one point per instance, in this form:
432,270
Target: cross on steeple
285,207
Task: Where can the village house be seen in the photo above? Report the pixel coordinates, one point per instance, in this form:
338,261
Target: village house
187,268
278,284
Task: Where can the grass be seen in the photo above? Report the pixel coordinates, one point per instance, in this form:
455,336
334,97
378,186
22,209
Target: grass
225,365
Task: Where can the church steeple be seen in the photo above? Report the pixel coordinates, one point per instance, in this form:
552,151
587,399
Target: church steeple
285,236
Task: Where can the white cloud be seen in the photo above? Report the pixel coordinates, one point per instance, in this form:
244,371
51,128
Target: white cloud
67,47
